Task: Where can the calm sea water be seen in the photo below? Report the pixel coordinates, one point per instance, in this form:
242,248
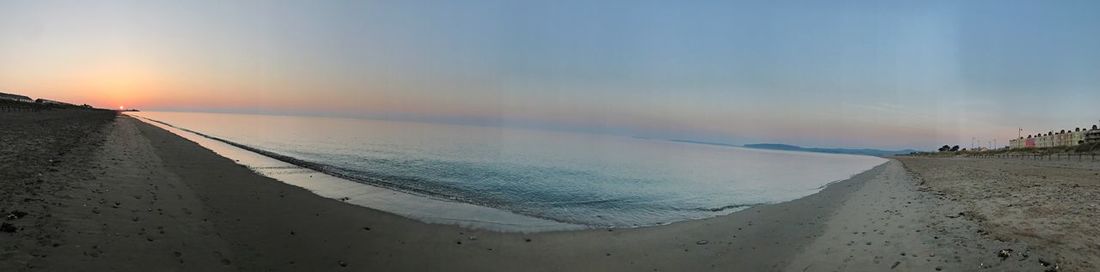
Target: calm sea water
576,178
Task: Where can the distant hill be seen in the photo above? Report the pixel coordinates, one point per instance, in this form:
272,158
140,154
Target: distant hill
854,151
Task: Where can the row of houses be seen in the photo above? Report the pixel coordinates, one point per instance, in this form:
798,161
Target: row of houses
40,101
1073,137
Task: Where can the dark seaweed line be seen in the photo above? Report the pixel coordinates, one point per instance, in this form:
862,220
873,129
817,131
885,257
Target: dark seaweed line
381,182
323,168
337,172
727,207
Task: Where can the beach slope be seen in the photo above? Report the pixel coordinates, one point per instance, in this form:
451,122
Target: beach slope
138,197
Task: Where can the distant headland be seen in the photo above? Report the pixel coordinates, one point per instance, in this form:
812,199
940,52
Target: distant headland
854,151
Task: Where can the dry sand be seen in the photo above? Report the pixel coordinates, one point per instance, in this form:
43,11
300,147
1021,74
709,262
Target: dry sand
1050,206
40,154
895,223
132,197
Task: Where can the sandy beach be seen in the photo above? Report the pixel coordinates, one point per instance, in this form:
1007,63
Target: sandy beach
800,136
1048,205
87,191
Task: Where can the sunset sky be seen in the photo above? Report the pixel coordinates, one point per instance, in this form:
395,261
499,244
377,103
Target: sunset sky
883,74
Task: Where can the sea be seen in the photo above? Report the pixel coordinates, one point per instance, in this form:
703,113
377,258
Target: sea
510,179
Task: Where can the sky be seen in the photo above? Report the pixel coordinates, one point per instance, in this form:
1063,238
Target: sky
880,74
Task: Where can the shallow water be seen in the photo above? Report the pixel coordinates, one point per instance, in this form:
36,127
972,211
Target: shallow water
572,178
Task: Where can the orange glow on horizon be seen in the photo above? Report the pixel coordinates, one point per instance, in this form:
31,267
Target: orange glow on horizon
111,81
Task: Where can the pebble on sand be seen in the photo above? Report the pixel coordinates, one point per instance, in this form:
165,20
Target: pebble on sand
16,214
1004,253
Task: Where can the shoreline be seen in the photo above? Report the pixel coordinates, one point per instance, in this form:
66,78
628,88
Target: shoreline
317,178
145,198
324,184
623,241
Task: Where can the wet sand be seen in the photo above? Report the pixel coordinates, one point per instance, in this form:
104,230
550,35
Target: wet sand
132,197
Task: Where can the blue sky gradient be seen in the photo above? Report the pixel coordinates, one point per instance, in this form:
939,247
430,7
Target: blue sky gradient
885,74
